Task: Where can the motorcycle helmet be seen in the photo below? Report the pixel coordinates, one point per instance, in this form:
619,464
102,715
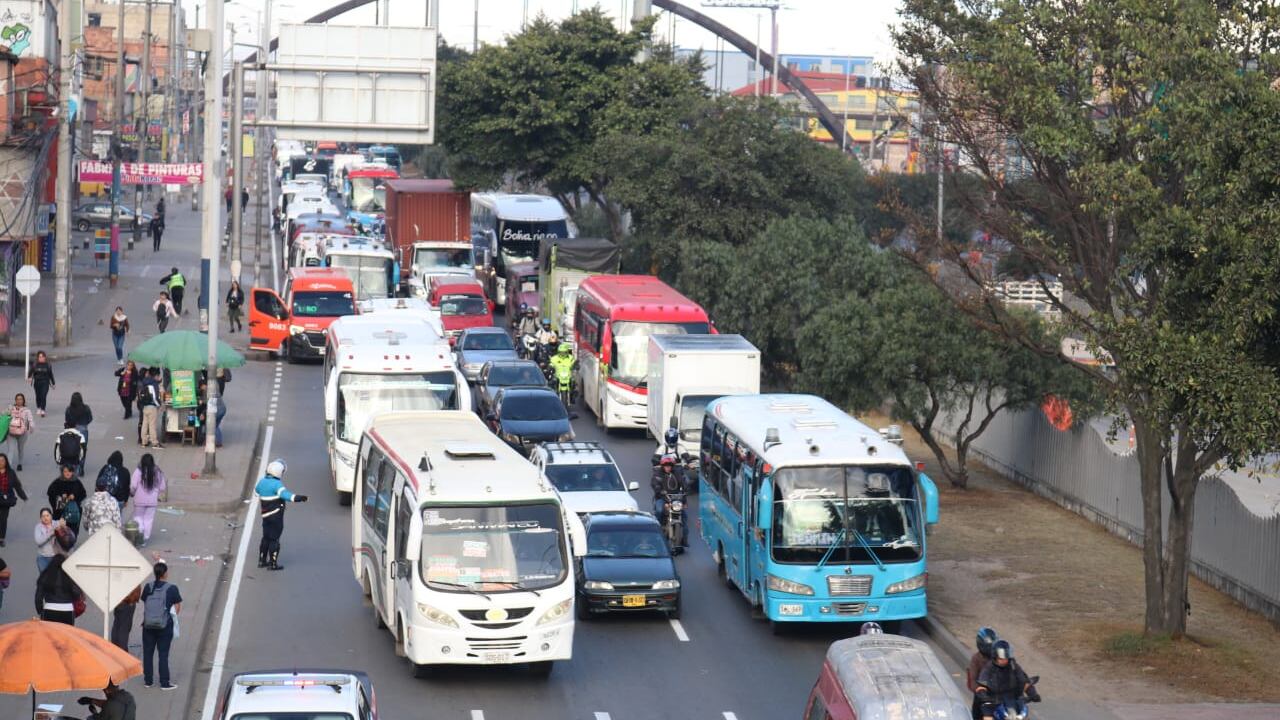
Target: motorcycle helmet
871,628
564,348
986,638
672,436
1001,650
668,460
546,323
523,307
276,468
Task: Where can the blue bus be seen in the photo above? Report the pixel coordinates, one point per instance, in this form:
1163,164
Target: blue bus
810,513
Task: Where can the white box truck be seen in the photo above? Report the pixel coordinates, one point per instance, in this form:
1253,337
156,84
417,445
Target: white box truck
688,371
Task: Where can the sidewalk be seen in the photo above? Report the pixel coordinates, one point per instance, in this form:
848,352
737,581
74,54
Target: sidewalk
193,529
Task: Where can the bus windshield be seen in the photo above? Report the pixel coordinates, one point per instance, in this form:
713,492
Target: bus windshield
519,240
369,275
493,548
327,303
368,194
425,258
843,511
363,395
630,362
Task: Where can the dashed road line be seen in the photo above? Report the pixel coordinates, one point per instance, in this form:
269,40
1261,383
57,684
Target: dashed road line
477,715
681,635
730,716
602,716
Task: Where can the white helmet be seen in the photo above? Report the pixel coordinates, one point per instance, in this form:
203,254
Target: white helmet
276,468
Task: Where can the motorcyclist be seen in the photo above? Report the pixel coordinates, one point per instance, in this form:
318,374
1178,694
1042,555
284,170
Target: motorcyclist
562,363
668,479
273,495
986,638
671,440
546,336
1002,681
528,323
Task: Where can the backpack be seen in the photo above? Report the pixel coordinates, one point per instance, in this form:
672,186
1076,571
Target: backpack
155,608
71,513
112,477
69,445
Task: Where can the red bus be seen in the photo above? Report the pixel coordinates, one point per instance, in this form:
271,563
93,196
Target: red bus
613,319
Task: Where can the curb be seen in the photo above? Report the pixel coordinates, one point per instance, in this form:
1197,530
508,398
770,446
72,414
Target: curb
15,357
948,642
202,646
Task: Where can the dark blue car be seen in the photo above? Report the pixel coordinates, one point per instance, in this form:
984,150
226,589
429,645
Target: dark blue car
526,416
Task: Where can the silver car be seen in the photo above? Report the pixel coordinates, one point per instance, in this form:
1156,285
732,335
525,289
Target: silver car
98,214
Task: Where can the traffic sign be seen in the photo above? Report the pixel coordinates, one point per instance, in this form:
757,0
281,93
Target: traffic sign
107,567
28,280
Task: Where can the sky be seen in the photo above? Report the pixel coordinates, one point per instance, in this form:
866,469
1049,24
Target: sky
815,27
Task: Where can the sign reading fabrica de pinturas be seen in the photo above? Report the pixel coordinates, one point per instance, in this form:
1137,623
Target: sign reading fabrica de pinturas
135,173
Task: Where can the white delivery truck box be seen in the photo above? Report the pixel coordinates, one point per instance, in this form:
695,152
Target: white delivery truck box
688,371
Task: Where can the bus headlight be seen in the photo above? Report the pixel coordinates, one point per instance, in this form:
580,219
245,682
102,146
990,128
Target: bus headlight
667,585
620,398
786,586
555,612
597,585
437,616
915,583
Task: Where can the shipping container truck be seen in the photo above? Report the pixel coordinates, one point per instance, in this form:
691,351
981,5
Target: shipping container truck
563,263
688,371
428,221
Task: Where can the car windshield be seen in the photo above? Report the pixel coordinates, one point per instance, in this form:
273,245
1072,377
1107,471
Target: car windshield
585,478
692,408
618,542
363,395
292,716
630,362
432,258
528,406
369,275
329,303
493,548
845,510
506,375
463,305
487,341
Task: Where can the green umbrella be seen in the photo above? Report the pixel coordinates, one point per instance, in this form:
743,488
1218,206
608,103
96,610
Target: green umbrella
183,350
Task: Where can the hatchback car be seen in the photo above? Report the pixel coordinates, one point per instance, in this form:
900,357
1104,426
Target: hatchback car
98,214
524,417
478,345
497,374
627,567
586,477
337,694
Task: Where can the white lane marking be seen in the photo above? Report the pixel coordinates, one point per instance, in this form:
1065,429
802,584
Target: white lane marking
229,608
477,715
730,716
602,716
146,270
680,633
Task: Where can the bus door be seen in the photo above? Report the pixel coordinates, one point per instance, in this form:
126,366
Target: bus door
378,480
591,367
401,567
757,513
268,320
737,496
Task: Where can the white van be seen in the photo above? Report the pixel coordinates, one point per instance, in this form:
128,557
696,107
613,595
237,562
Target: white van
464,550
381,363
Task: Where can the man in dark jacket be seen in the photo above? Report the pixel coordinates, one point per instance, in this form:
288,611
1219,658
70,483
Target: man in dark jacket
65,490
118,705
1003,681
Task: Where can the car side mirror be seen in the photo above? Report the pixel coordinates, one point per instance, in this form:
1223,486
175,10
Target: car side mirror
633,486
403,569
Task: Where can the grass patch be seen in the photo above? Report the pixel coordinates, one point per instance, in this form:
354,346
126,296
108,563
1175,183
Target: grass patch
1135,644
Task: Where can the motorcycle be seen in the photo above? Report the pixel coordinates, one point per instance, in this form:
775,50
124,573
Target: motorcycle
528,346
1016,709
564,383
673,523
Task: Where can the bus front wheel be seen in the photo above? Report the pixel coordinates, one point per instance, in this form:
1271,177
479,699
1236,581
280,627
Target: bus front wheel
422,672
542,669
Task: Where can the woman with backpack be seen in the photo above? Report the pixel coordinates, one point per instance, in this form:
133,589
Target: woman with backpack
10,490
127,387
66,497
117,478
146,487
57,595
20,424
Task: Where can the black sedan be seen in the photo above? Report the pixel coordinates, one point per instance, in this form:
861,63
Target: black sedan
526,416
498,374
627,567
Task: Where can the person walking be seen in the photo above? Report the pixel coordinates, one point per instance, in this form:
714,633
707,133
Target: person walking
127,387
69,448
10,491
235,301
102,509
119,328
80,415
122,619
66,497
160,207
161,604
57,593
46,535
176,284
146,487
117,477
40,376
149,405
227,197
156,226
165,311
20,424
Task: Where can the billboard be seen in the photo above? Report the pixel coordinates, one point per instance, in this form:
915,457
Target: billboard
133,173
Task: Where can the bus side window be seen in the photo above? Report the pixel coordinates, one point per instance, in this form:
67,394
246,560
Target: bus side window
717,453
404,515
382,509
817,709
732,479
370,478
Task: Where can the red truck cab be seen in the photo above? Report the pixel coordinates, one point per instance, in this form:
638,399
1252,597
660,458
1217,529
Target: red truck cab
295,325
461,302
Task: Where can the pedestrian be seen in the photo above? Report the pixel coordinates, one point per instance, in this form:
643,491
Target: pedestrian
273,495
66,497
69,448
157,231
146,486
122,619
102,509
127,387
80,415
235,301
160,207
118,705
46,535
244,198
5,577
161,604
227,196
57,594
117,478
20,424
164,309
217,420
149,404
10,491
41,378
119,328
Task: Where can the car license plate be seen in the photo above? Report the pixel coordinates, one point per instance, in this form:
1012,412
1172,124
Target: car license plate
632,601
496,658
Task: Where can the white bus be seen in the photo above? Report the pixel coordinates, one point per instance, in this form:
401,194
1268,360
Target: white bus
373,268
463,548
380,363
509,229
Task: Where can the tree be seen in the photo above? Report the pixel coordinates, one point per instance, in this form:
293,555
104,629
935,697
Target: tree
1149,132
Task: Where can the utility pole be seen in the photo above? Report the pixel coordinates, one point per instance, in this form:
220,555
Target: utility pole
62,223
211,231
175,93
265,183
117,151
144,131
235,148
475,27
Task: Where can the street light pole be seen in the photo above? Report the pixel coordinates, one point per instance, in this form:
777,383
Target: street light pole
144,131
211,231
235,149
62,223
117,152
264,181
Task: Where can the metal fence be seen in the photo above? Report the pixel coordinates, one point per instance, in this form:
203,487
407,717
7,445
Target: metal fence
1233,549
